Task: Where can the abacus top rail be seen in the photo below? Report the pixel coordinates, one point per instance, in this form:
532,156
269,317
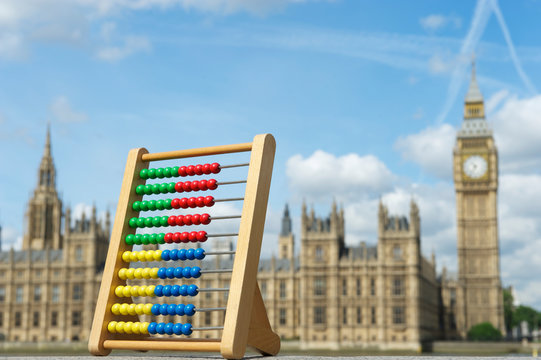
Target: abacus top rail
213,150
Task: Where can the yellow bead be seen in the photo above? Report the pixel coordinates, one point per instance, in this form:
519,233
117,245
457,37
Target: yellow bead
134,291
111,327
150,290
136,328
133,256
115,309
142,291
126,292
157,255
154,273
137,273
126,256
147,309
146,273
127,327
149,256
123,309
122,274
140,309
143,328
120,327
129,273
131,309
141,255
119,291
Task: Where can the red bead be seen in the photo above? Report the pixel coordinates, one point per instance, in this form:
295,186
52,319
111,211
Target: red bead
176,237
168,238
172,220
184,237
196,219
211,184
190,170
205,219
184,203
187,220
182,171
191,202
215,168
187,186
175,203
203,185
202,236
193,236
199,169
179,187
195,185
200,201
206,169
209,201
180,220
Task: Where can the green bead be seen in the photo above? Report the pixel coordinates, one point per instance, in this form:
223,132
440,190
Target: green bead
174,171
161,238
148,222
133,222
153,239
156,188
163,221
164,189
141,222
156,221
148,189
135,206
160,204
152,173
138,239
167,172
143,174
143,205
152,205
167,204
146,239
171,187
159,173
130,239
140,189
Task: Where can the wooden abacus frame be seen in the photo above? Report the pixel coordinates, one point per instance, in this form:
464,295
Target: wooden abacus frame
246,322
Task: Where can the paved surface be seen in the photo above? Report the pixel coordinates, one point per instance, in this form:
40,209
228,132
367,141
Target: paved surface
255,357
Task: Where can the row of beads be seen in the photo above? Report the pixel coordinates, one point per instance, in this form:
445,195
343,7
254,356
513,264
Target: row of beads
156,290
168,204
132,309
190,170
179,220
165,255
169,328
181,186
129,327
179,272
153,309
145,239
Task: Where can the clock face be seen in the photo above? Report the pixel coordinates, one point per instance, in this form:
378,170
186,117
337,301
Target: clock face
475,166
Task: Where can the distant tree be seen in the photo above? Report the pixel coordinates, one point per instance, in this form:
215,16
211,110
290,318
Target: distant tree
508,309
528,314
484,332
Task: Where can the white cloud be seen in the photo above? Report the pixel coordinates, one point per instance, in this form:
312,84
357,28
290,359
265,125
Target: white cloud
436,22
11,46
63,112
131,45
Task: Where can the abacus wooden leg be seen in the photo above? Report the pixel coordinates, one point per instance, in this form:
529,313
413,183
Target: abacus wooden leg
261,337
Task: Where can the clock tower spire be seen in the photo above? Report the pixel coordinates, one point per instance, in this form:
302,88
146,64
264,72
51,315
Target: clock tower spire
475,167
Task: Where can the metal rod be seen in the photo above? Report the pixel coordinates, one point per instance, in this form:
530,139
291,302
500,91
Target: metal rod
231,182
233,165
219,252
210,309
216,271
225,217
229,199
208,328
213,289
221,235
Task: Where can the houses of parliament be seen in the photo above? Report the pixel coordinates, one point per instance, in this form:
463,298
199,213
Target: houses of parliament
331,295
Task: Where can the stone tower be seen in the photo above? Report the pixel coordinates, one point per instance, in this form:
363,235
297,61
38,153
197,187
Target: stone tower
286,241
475,168
44,212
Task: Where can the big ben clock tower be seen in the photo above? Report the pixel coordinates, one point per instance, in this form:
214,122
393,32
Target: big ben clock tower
475,167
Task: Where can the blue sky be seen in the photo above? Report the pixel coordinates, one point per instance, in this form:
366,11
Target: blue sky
364,99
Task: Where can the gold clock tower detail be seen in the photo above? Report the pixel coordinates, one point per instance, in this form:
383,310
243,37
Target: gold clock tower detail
475,166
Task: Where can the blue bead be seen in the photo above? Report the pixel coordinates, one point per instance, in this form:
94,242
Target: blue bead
163,309
177,329
182,254
166,255
184,290
178,272
162,273
160,328
175,290
190,254
187,329
158,290
174,254
186,272
189,309
192,290
168,328
171,309
170,273
200,254
180,310
155,309
196,272
152,328
167,290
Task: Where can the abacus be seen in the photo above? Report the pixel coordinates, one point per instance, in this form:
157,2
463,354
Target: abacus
116,323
